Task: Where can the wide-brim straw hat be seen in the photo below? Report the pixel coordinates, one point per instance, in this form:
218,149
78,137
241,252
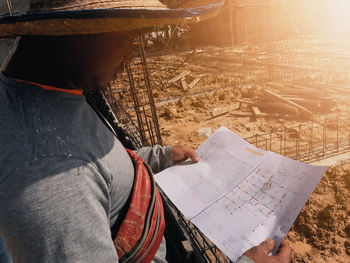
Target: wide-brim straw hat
70,17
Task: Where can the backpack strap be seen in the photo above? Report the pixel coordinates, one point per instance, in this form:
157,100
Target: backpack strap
141,231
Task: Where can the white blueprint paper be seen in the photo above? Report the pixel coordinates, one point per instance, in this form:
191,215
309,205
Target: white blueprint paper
238,195
225,160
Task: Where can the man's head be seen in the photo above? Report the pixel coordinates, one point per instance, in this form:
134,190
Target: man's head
98,57
77,61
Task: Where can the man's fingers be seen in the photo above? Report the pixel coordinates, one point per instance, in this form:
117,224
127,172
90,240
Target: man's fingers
260,254
181,153
192,155
285,251
267,245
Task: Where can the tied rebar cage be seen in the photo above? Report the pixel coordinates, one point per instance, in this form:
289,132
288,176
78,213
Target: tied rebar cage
320,138
133,91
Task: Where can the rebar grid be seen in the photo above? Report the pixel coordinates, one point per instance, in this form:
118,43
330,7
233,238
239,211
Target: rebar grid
322,58
308,142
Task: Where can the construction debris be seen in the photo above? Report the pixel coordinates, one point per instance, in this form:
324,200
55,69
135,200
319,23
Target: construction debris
179,77
184,84
280,98
194,82
256,111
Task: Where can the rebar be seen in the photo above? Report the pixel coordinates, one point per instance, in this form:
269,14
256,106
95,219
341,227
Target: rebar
312,141
147,82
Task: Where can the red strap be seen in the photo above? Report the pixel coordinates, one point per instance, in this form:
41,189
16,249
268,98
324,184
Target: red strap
78,92
132,226
135,237
153,248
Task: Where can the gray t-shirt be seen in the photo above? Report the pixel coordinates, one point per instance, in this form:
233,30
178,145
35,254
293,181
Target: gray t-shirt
64,176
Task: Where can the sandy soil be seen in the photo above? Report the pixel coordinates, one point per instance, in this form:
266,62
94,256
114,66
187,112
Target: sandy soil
321,233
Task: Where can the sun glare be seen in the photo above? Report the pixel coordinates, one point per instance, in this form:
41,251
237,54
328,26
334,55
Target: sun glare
338,13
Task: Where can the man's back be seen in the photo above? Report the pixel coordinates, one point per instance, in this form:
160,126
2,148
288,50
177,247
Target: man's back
63,180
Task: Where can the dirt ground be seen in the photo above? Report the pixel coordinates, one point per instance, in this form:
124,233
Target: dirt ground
223,97
321,233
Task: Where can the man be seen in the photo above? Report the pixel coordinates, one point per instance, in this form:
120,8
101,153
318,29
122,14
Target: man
66,182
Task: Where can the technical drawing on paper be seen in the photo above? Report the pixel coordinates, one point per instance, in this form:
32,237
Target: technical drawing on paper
238,195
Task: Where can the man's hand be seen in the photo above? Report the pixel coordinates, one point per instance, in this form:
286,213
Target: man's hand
181,153
260,254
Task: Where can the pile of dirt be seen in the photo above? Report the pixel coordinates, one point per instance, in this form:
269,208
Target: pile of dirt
321,232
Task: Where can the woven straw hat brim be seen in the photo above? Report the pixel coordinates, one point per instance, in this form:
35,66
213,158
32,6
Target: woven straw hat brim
92,21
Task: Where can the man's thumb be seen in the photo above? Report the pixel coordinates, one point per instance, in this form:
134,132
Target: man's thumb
285,251
267,245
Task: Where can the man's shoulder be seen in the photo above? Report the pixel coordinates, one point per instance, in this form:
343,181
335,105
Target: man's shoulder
65,193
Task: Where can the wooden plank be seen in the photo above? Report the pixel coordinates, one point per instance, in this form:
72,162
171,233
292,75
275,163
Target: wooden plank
241,114
306,93
194,82
256,111
293,98
303,109
184,84
245,101
250,114
180,76
278,107
263,115
164,85
290,96
218,115
217,112
159,70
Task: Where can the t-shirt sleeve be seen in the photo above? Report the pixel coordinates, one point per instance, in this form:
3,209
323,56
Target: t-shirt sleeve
57,208
157,157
